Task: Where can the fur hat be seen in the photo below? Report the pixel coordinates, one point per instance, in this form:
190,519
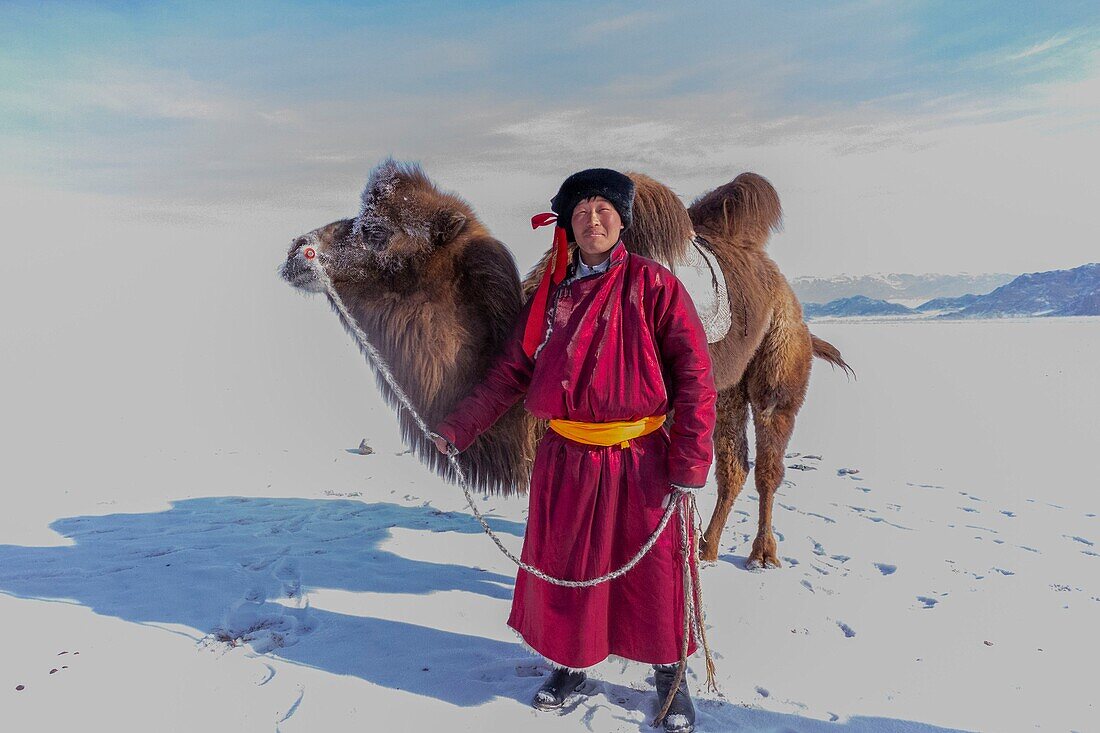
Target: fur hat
612,185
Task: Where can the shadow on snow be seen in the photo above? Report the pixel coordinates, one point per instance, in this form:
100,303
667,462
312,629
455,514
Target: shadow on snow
218,563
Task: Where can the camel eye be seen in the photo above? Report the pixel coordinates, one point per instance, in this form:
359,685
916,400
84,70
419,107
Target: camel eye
374,233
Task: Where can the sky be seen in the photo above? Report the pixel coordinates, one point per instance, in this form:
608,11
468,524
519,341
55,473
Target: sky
901,136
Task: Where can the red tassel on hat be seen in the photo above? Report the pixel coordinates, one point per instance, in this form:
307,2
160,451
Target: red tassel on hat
554,274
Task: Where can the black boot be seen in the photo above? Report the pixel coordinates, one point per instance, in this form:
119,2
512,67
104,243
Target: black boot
680,717
554,691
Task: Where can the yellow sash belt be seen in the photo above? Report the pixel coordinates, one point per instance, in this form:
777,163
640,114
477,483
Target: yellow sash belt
606,433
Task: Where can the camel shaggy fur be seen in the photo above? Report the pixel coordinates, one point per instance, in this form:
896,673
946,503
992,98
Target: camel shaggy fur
437,296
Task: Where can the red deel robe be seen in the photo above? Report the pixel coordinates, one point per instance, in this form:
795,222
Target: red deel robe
625,343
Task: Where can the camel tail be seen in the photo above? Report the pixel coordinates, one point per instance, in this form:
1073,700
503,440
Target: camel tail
744,211
824,350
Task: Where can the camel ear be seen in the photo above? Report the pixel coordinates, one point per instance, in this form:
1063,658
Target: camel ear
448,224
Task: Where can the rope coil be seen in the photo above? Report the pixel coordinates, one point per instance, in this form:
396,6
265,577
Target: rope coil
683,502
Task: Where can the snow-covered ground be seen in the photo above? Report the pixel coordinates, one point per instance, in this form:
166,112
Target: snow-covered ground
180,471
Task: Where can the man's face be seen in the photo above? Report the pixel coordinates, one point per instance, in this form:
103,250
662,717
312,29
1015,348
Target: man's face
596,225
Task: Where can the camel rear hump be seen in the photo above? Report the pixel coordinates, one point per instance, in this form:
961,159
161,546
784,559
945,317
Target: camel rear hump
743,212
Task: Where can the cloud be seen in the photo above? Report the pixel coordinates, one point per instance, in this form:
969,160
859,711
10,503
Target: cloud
606,28
827,120
1051,43
94,85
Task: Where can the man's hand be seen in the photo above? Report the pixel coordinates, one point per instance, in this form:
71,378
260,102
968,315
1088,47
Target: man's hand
441,443
676,489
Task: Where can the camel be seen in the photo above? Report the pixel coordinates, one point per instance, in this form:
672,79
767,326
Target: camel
437,295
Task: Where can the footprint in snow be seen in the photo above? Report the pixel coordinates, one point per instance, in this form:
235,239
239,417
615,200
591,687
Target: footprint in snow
814,589
287,572
257,565
791,562
969,509
846,471
270,676
1002,571
762,692
1082,540
1008,513
886,568
848,631
984,529
928,602
881,519
293,707
528,670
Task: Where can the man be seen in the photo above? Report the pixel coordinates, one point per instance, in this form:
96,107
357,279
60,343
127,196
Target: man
617,344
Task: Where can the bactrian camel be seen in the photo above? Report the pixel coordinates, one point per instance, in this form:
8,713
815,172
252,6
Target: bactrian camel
436,294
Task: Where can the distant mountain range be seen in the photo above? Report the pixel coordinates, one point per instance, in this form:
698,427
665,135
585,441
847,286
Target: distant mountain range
857,305
895,286
1073,292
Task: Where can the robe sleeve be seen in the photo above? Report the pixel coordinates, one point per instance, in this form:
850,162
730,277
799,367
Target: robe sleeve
690,379
504,383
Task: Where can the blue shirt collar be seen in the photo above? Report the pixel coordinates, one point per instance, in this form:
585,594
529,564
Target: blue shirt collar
580,269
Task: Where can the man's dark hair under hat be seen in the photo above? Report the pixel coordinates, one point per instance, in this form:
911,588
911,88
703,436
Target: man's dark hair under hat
612,185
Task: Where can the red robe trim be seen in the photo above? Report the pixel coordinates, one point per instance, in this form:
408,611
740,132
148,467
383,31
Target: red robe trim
551,277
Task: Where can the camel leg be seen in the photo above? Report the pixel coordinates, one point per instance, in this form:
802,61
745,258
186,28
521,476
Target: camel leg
777,380
731,463
773,431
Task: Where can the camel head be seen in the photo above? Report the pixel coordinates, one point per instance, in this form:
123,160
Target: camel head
328,243
403,219
435,295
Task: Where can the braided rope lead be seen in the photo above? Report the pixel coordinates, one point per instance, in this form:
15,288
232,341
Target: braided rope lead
684,502
693,602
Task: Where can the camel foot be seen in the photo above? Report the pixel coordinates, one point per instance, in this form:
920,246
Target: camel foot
763,554
762,563
707,551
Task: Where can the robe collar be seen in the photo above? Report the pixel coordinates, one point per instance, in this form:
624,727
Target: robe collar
617,254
